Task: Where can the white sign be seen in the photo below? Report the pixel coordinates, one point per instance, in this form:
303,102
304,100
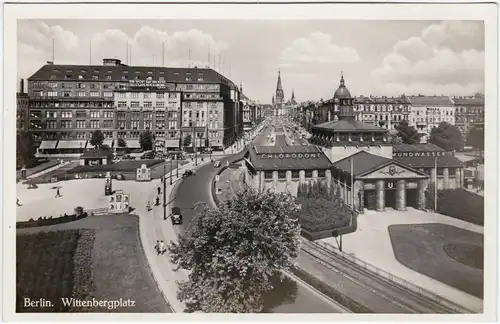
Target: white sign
216,177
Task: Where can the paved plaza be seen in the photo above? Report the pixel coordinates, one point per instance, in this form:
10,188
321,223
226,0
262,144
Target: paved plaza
372,243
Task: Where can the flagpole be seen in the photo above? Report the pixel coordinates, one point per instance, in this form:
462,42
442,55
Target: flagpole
352,183
435,183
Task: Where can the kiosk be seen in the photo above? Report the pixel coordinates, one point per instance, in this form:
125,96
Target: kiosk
119,202
143,173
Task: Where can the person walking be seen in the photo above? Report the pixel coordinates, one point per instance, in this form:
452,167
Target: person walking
58,193
157,247
17,202
148,206
162,247
159,189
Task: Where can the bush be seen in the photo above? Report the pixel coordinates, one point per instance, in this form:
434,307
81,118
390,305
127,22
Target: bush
457,203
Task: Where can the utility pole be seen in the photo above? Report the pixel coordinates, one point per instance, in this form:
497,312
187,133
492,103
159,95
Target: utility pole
177,169
171,171
165,191
435,184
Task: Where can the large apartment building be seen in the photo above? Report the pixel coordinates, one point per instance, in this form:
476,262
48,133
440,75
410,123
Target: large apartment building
69,102
428,112
469,112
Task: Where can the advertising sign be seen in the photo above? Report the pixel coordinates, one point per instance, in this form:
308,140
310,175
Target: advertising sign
290,156
424,153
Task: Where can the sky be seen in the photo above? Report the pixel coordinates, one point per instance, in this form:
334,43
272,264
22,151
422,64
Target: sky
376,57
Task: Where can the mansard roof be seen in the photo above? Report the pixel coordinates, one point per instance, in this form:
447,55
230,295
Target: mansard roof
349,126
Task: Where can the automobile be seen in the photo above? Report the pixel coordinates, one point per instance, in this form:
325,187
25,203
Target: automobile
176,216
216,164
148,155
128,157
188,173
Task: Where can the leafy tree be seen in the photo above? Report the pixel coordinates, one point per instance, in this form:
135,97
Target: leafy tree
475,138
408,134
187,140
447,137
146,139
232,253
97,138
121,142
395,139
25,153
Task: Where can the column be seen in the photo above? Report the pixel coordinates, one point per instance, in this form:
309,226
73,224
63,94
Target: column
315,175
361,199
328,175
302,176
445,178
401,195
421,194
261,180
275,179
380,189
460,176
289,177
434,176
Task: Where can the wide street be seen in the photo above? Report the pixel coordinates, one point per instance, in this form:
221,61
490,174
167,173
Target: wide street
198,189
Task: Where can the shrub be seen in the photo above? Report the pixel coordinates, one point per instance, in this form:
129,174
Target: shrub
83,282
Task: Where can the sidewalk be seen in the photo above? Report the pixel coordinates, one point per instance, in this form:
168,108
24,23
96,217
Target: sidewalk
58,166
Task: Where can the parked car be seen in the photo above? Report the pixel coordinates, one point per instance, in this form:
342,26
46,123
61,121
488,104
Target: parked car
128,157
216,164
176,216
188,173
148,155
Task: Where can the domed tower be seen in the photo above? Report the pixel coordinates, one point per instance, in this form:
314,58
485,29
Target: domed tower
344,101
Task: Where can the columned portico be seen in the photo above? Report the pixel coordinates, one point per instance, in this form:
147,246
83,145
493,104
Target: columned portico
380,190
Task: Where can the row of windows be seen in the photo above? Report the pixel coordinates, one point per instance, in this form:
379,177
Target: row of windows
69,114
106,94
145,104
295,174
146,95
94,124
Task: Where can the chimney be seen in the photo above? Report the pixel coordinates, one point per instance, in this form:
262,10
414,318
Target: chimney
21,90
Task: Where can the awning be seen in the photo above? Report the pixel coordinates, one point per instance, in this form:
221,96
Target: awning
172,143
48,145
75,144
133,144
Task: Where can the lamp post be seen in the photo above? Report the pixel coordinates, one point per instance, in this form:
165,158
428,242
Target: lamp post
171,172
165,190
177,169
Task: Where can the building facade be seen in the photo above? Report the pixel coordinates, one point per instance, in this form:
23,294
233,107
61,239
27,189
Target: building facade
386,112
22,111
469,112
69,102
428,112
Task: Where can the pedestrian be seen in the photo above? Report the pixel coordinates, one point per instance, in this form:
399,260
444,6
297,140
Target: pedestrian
162,247
17,202
161,179
157,200
148,206
159,190
157,247
58,193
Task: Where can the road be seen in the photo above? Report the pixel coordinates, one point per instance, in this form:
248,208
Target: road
198,189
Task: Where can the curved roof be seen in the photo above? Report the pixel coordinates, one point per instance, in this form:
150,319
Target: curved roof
342,92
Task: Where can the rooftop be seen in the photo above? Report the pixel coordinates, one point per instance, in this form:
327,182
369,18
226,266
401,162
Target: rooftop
431,101
362,162
416,148
282,158
349,126
476,101
381,100
126,73
446,161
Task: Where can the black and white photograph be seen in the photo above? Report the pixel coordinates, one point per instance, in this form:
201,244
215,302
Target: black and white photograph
316,160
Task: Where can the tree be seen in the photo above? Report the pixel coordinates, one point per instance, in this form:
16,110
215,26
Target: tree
408,134
187,140
232,253
121,142
475,138
447,137
146,140
97,138
25,152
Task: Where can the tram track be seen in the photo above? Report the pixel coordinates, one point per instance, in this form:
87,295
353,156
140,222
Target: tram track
399,296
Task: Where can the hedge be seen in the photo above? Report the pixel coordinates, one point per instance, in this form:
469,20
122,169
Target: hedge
83,279
457,203
329,291
131,166
44,221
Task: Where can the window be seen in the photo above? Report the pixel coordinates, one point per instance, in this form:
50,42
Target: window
81,85
134,95
122,95
80,124
135,124
94,124
122,104
148,115
108,124
94,94
134,104
80,94
108,94
52,85
67,114
268,174
51,114
94,114
95,77
51,124
148,104
108,77
38,93
52,93
108,114
147,95
66,124
160,95
160,105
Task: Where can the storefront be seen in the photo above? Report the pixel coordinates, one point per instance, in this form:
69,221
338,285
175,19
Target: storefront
282,168
96,157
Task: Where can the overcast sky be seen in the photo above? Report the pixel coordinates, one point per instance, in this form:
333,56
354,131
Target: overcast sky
377,57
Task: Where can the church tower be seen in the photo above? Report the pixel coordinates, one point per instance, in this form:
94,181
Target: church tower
280,96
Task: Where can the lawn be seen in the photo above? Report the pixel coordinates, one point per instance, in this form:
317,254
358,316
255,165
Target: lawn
46,269
117,265
39,168
445,253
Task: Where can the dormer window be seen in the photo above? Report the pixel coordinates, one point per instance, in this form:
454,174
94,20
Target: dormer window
80,77
349,138
373,138
337,138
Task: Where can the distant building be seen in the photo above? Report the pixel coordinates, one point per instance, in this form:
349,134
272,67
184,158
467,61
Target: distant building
22,109
280,106
386,112
428,112
69,102
469,112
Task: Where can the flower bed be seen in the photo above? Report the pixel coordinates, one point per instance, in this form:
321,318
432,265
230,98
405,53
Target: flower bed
45,268
83,280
